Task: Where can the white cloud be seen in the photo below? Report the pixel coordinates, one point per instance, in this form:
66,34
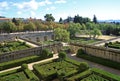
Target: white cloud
31,5
57,16
51,8
19,12
3,5
60,1
27,5
32,13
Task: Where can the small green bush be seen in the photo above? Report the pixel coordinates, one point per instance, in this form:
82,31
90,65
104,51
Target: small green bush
83,66
110,43
79,52
62,55
45,53
24,66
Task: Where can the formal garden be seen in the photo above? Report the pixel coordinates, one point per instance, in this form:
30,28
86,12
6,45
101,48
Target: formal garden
115,45
21,74
61,69
13,46
65,69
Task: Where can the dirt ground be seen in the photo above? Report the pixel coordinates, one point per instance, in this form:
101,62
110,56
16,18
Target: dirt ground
103,37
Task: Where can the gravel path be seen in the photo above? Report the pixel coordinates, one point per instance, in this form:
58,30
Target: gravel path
92,64
31,44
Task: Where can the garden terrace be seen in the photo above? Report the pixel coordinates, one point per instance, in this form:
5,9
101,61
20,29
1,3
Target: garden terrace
18,75
12,46
71,70
94,74
83,40
50,70
29,52
115,45
111,54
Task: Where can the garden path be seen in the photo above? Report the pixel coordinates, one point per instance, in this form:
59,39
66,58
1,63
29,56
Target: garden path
31,44
92,64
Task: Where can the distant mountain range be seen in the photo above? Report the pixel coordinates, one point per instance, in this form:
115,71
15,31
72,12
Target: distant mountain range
111,20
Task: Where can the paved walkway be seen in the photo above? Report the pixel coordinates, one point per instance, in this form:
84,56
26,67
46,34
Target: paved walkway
92,64
31,44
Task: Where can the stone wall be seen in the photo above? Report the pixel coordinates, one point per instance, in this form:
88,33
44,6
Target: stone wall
27,35
102,52
29,52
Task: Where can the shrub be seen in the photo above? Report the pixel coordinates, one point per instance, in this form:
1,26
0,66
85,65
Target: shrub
23,43
31,75
24,66
83,66
45,53
106,44
62,55
110,43
79,52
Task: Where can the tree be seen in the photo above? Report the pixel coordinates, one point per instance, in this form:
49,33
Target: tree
29,27
96,33
8,27
95,19
60,21
62,55
73,28
69,19
49,17
14,21
81,20
61,35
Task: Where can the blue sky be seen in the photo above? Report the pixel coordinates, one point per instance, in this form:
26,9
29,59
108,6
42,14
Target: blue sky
103,9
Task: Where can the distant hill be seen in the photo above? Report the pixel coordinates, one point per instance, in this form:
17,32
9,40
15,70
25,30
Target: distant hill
109,21
2,17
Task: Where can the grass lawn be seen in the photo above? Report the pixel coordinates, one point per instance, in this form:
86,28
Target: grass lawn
13,46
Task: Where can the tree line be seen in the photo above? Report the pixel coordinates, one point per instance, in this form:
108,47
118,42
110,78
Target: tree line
84,25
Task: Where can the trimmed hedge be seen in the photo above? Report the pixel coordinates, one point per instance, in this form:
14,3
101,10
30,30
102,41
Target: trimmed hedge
79,76
31,75
10,72
95,71
18,62
58,69
106,74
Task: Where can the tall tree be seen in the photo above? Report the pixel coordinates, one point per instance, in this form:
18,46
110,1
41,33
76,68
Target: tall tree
8,27
73,29
49,17
60,21
14,21
29,27
61,35
94,19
